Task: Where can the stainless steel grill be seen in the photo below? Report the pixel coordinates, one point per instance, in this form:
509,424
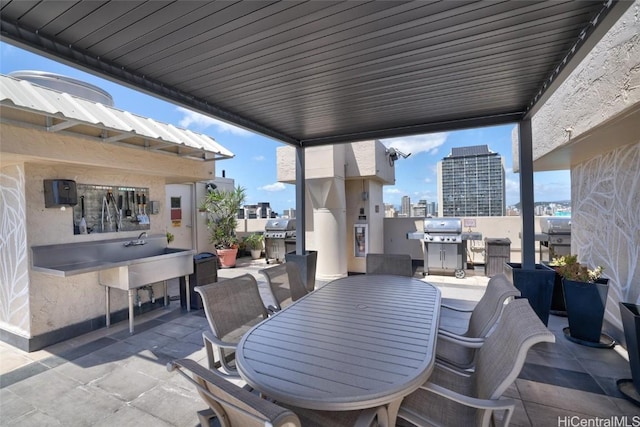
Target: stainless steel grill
279,238
556,235
443,245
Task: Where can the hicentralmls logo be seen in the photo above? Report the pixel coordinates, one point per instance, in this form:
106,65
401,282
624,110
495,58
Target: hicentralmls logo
614,421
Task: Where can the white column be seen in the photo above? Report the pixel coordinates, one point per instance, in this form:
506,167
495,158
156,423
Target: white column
331,230
329,226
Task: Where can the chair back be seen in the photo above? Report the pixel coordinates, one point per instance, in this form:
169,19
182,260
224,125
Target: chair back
501,357
489,308
396,264
285,284
232,405
232,306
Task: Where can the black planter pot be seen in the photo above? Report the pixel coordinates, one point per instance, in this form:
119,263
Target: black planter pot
534,285
307,265
630,314
558,307
585,304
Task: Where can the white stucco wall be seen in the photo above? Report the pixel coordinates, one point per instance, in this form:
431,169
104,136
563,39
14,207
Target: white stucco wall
34,303
605,83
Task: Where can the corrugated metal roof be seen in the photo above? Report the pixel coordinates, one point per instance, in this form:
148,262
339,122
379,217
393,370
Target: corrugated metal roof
69,113
320,72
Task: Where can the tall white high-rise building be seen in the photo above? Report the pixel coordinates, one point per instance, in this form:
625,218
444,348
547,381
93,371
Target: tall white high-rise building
405,208
471,182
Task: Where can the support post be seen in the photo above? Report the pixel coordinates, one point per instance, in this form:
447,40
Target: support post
527,211
300,202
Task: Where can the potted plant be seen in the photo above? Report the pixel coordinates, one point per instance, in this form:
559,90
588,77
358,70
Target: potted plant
253,243
222,208
585,294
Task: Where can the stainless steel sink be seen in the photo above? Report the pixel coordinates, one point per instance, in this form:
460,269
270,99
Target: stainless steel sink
86,257
119,263
150,268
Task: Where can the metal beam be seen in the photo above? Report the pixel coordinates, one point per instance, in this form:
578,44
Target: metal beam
447,126
527,212
301,208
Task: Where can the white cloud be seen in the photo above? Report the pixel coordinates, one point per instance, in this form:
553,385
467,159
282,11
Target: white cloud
201,122
392,190
428,143
258,158
276,186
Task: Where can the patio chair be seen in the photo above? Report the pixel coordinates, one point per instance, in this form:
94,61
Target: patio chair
482,319
235,406
230,404
232,307
456,398
285,284
396,264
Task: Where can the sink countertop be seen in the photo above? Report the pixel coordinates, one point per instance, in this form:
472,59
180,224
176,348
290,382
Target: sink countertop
89,257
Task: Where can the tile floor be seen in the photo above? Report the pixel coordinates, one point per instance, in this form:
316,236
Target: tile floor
109,377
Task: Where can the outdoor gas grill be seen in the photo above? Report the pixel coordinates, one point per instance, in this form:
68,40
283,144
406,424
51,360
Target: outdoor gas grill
556,235
443,245
279,238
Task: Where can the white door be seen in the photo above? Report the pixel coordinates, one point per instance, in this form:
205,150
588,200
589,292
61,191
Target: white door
179,216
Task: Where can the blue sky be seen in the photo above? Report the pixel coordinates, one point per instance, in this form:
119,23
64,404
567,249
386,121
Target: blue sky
254,165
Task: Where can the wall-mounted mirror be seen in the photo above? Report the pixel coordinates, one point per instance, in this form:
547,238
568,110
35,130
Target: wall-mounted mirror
107,209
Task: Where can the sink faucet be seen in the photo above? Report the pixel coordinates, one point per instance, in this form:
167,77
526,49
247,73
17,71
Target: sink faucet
138,241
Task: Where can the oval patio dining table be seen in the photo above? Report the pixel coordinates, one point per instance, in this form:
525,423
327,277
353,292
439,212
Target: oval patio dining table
358,342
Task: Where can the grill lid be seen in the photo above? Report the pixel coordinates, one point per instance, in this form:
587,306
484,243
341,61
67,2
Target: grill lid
555,225
448,225
280,225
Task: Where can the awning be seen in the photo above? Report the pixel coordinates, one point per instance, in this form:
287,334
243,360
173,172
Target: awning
59,112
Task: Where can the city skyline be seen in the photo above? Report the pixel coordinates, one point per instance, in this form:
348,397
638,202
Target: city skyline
254,166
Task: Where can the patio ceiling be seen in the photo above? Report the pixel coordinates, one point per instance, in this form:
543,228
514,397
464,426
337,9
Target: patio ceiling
311,73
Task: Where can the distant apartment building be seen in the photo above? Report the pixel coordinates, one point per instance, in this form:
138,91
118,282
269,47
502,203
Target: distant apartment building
405,207
390,211
289,213
260,210
471,182
419,209
432,209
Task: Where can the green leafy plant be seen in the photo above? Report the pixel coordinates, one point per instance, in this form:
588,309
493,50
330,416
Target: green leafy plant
254,241
170,237
222,208
568,267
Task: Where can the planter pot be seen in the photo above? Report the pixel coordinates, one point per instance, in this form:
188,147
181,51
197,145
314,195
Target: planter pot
585,310
630,314
558,307
227,257
307,266
534,285
256,253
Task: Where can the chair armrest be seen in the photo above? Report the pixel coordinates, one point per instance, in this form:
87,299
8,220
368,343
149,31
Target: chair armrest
459,339
214,349
454,308
207,335
501,404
